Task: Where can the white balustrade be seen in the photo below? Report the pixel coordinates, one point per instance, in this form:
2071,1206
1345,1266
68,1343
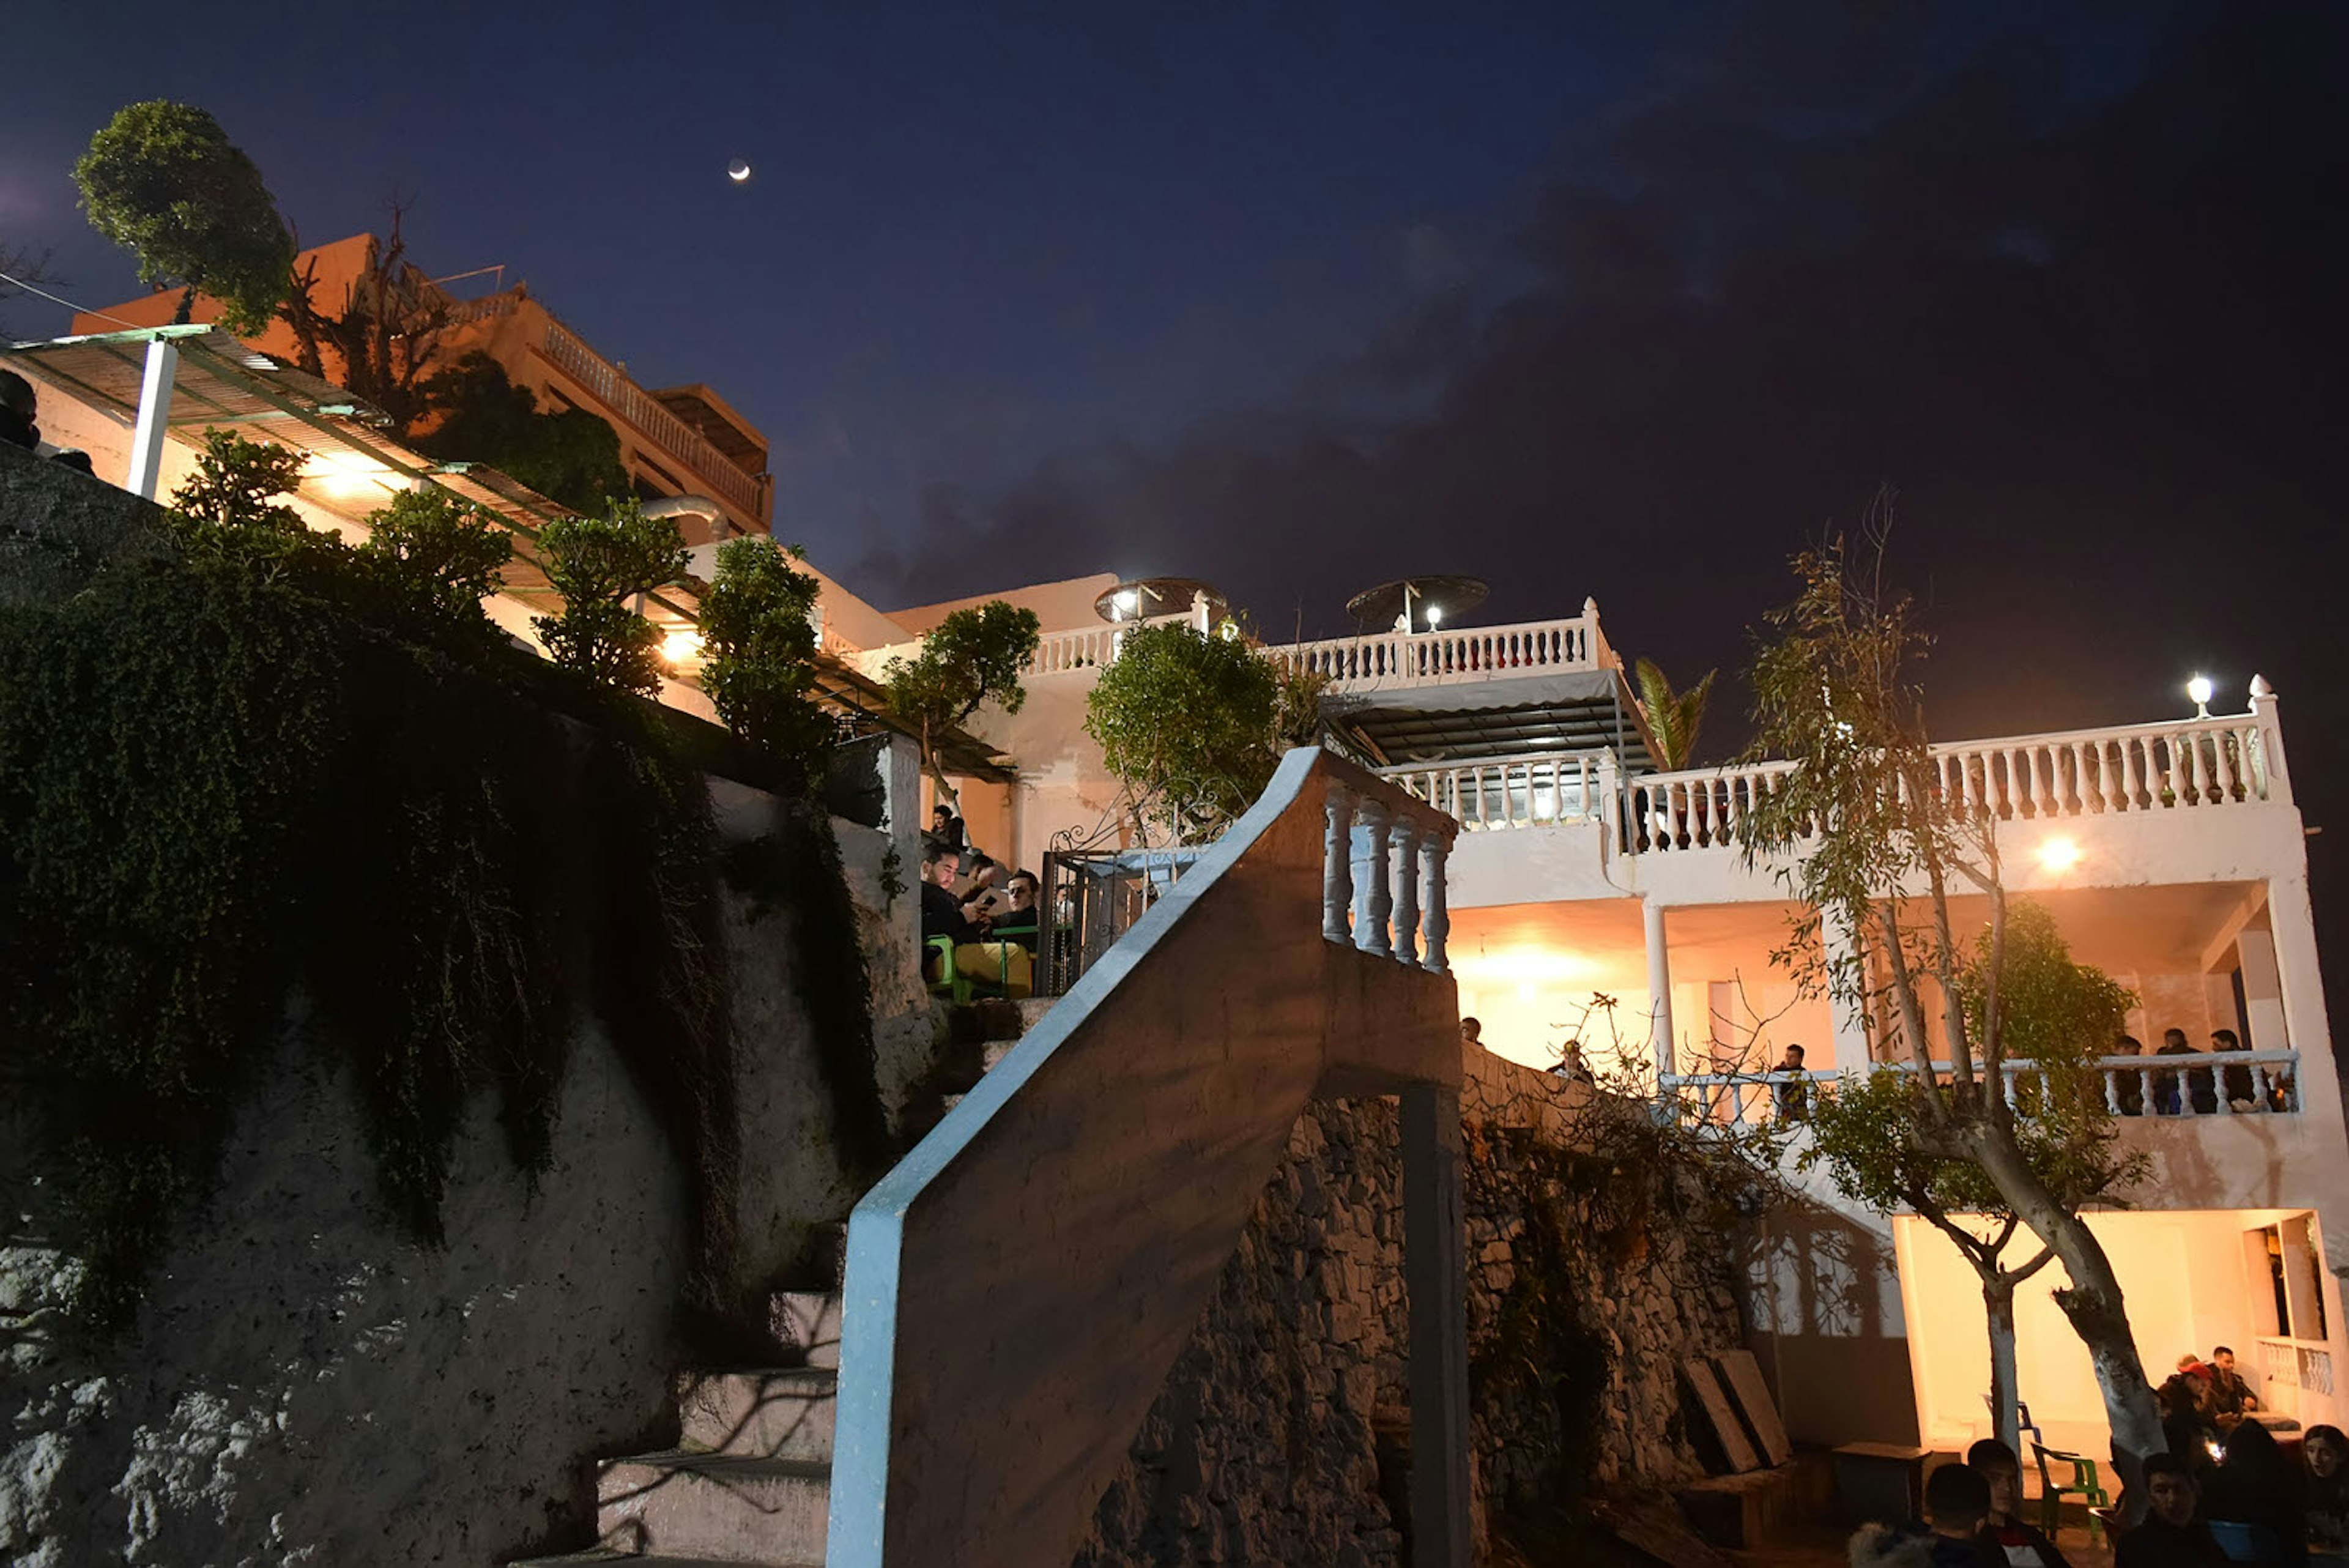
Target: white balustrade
1489,793
2199,763
1397,659
2161,1086
1383,861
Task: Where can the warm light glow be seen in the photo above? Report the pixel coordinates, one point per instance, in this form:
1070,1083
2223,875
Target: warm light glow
682,646
2059,854
1435,617
2201,689
1126,602
348,475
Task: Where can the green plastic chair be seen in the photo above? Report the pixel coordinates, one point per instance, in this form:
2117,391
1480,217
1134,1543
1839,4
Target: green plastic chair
2083,1485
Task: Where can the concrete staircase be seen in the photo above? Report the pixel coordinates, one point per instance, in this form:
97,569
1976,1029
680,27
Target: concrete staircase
751,1479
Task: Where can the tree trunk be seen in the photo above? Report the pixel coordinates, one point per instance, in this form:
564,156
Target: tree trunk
1998,1305
2098,1313
180,318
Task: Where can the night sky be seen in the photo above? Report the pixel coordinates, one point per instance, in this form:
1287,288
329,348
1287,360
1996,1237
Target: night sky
1301,299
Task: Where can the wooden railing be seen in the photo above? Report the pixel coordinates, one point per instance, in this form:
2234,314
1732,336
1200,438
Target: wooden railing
2257,1083
2197,764
1486,792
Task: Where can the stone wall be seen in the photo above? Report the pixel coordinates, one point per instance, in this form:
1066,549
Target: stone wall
303,1384
1282,1434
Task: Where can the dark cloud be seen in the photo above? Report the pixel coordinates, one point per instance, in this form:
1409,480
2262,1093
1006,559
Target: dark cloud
2092,330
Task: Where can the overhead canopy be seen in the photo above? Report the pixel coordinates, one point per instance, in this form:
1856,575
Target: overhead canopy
354,469
1144,598
1577,710
1428,600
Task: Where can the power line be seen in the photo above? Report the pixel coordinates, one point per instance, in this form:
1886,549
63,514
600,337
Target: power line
69,305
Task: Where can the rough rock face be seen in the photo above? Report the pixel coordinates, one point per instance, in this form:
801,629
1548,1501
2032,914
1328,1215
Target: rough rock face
1282,1434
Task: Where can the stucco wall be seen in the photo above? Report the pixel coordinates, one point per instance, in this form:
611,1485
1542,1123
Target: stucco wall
1281,1436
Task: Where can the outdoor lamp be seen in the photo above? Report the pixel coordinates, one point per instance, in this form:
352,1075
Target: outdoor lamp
1435,617
2059,854
1126,601
682,646
2200,689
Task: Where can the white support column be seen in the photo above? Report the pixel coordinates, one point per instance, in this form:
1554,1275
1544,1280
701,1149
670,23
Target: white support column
2262,992
1847,1015
1665,1042
1435,1272
1337,876
1406,834
154,417
2263,709
1373,894
1435,921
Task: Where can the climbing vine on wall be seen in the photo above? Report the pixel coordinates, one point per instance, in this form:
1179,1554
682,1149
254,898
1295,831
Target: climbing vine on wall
358,795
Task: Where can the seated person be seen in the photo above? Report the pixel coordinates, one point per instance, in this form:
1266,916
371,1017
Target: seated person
2169,1536
942,914
945,829
1017,921
1792,1096
2257,1486
2198,1093
2230,1397
2004,1530
2326,1451
1957,1501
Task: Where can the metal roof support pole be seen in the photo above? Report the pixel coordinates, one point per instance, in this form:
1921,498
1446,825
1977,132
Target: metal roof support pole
1435,1273
154,417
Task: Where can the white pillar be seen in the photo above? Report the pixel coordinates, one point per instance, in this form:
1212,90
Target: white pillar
1406,911
2263,709
1434,921
1373,895
1337,876
1665,1042
1847,1014
1435,1272
2262,990
154,417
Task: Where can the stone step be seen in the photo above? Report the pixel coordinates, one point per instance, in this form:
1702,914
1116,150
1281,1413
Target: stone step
807,1324
721,1507
993,1054
1032,1010
779,1414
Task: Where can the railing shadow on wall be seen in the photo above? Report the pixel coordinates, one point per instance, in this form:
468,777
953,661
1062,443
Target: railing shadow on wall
1020,1286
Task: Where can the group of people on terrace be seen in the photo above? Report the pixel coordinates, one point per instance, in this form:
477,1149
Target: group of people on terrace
2198,1089
979,920
2209,1503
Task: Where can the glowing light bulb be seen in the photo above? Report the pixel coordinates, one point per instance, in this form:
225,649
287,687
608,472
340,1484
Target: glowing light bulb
2059,854
2200,689
1435,617
682,646
1127,601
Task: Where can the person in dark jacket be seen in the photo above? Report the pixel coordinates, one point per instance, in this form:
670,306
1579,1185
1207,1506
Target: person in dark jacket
2257,1486
2169,1536
2326,1451
2018,1543
942,914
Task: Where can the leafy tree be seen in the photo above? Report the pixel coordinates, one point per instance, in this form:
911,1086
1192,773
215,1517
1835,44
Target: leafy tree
236,484
1861,832
163,180
598,563
758,632
972,657
438,553
572,456
1194,726
1673,717
2060,1016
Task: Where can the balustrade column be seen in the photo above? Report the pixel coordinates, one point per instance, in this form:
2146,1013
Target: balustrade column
1337,876
1659,987
1433,922
1374,888
2275,780
1406,914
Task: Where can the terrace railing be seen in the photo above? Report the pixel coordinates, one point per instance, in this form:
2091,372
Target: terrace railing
610,384
2257,1083
1487,792
1389,660
2199,763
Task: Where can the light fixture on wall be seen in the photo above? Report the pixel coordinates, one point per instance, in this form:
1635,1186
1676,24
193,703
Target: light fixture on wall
2059,855
2200,689
681,646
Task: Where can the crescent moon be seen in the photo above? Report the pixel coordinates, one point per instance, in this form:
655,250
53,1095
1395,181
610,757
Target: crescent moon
737,170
